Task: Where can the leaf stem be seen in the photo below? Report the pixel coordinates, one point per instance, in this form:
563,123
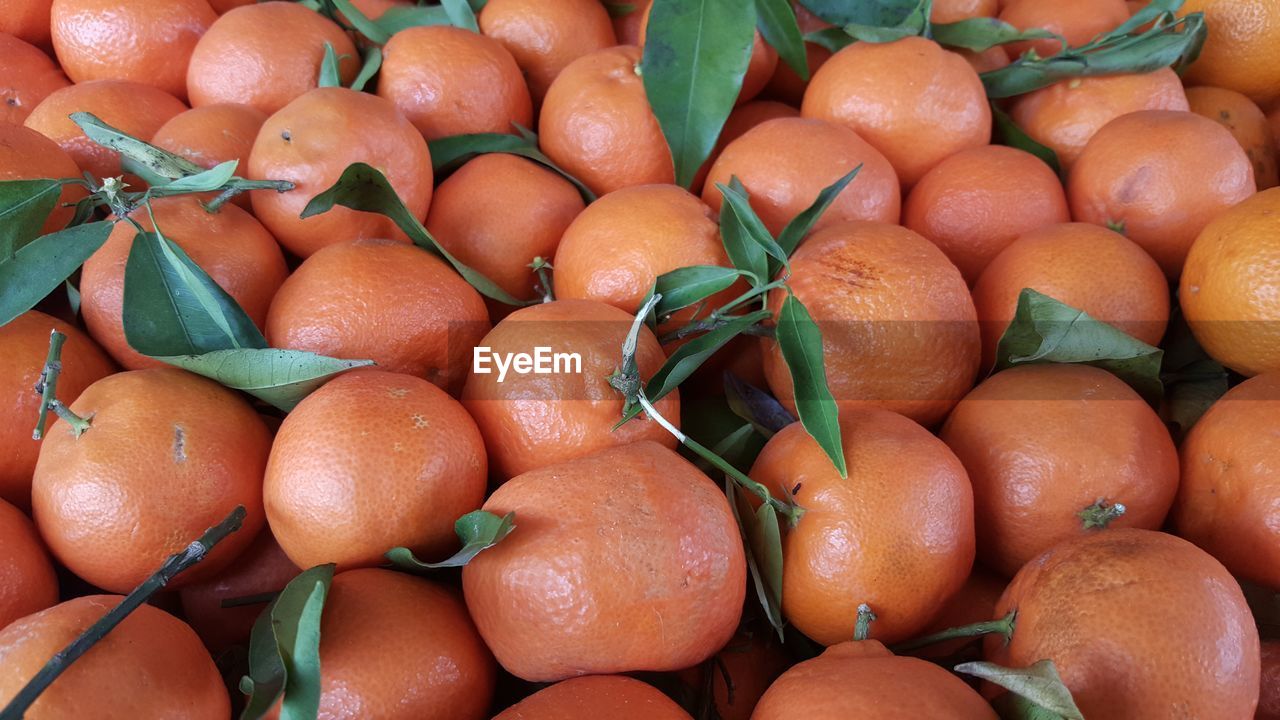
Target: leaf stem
238,185
1003,626
47,385
542,268
862,627
58,664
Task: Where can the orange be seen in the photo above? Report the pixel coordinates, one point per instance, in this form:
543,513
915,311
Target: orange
1242,52
785,163
336,495
544,37
230,245
1146,173
311,142
974,602
616,697
1227,290
212,134
497,213
531,421
785,84
24,345
27,155
741,672
740,120
1230,487
1247,124
865,680
398,305
27,20
1043,443
224,6
266,55
621,243
151,665
1087,267
950,11
143,41
401,648
912,100
261,568
27,581
596,123
760,66
1102,607
992,58
976,202
29,76
1269,702
1273,119
628,559
1065,115
905,491
1078,22
627,19
449,81
169,455
898,327
132,108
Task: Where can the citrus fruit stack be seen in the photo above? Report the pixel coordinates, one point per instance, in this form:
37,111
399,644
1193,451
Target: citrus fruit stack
949,341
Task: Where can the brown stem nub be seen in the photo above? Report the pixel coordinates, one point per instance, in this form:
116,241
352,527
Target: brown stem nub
47,385
58,664
1004,626
1100,514
862,628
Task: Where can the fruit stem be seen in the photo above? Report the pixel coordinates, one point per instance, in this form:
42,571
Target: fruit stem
78,424
862,628
1003,626
58,664
47,385
1100,514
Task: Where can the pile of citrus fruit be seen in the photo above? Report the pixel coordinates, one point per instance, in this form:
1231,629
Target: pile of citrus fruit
640,359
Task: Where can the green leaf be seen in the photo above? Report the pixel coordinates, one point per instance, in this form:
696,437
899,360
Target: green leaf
689,357
280,377
1045,330
172,306
880,13
460,14
450,152
155,165
744,251
1008,133
329,74
374,31
801,224
284,650
372,63
777,22
696,53
1176,44
399,18
617,8
204,181
686,286
73,296
756,406
762,540
893,24
1150,12
478,5
1039,683
24,207
834,39
364,188
1193,381
739,448
478,530
735,197
800,340
41,265
984,33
